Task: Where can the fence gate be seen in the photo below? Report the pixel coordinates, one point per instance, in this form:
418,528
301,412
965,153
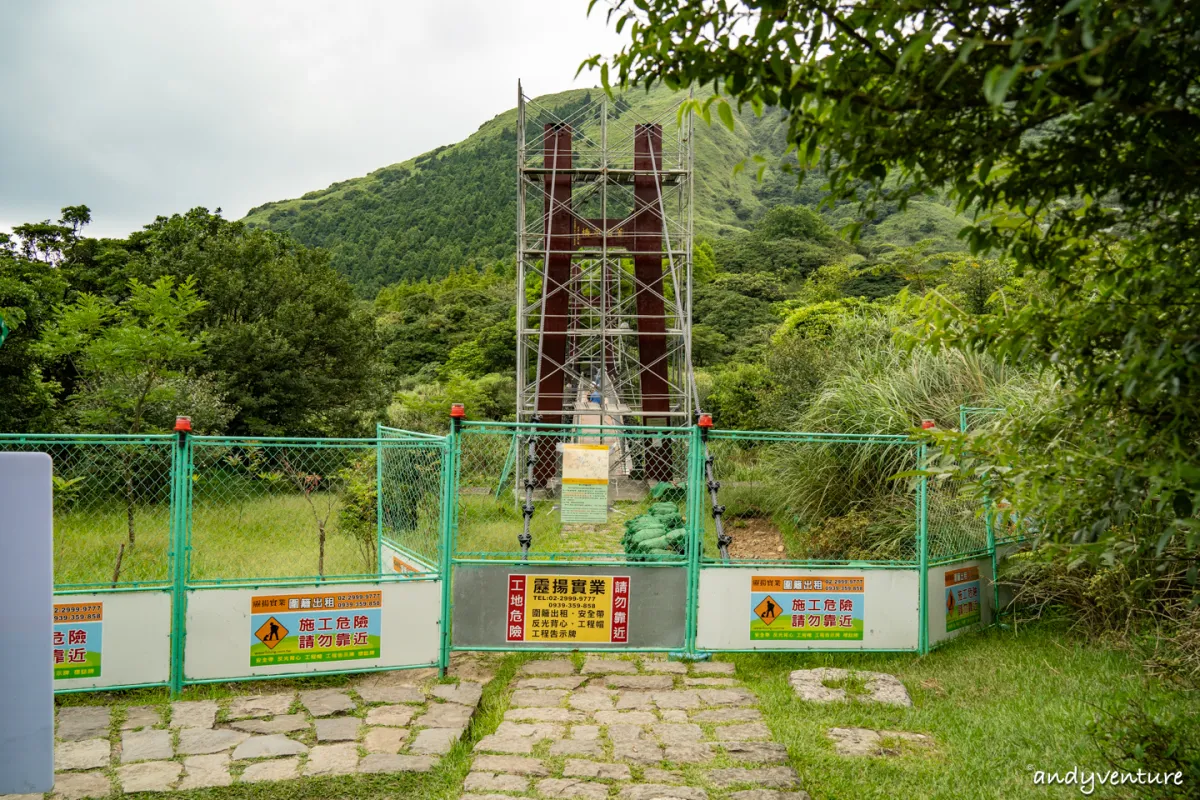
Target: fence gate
306,556
830,549
824,550
541,538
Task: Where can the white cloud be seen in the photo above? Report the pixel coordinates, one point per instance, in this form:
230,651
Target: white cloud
140,108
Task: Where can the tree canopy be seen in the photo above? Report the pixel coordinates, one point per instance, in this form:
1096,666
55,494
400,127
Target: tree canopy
1067,128
276,342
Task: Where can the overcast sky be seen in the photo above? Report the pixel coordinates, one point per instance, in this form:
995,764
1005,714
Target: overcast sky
144,108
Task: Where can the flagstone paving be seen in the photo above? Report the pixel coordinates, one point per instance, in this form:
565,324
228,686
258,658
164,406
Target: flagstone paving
615,729
380,726
629,730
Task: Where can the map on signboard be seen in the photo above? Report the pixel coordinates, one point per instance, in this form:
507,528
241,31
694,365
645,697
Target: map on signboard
584,483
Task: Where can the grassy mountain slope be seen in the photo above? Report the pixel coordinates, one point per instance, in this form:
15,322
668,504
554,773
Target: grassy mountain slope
456,206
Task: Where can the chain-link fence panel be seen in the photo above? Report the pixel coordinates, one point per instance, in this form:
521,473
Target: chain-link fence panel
112,507
270,509
812,497
615,480
411,494
956,525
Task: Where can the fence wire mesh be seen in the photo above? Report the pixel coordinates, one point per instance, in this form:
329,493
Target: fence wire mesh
274,509
801,497
411,495
112,507
646,466
956,523
269,509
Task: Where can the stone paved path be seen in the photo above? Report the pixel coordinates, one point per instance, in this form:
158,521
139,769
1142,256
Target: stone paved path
383,725
649,730
617,729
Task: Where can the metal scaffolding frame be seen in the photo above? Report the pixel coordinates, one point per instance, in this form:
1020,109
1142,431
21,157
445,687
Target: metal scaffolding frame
604,264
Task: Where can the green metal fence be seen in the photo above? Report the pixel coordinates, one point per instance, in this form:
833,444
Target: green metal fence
277,509
1005,524
300,520
646,466
972,417
112,508
251,512
410,506
812,498
116,500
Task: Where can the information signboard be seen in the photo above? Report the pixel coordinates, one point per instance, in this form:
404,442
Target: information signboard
312,627
568,608
806,607
584,483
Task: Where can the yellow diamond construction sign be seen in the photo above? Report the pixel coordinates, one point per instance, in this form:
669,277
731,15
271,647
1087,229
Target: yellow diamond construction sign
271,633
768,610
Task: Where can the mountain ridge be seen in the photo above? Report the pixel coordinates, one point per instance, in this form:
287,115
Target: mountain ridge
455,205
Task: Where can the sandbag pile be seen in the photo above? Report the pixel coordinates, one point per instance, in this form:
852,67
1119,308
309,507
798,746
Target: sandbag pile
658,532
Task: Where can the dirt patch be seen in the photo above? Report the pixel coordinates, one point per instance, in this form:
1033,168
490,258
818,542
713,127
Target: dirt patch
755,538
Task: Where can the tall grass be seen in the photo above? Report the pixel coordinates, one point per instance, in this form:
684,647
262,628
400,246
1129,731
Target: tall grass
846,499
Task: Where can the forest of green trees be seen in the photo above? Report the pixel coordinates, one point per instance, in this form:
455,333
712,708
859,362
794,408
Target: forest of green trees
249,332
242,329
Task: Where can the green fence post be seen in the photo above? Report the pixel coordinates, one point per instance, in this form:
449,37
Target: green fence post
923,559
379,498
695,533
449,511
962,419
180,498
991,546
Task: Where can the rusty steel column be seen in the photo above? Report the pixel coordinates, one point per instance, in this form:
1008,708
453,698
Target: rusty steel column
558,243
651,310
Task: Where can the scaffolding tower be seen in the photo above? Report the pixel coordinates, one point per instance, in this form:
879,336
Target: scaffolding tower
604,263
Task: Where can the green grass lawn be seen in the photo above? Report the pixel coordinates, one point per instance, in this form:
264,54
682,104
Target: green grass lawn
270,536
995,704
88,540
275,536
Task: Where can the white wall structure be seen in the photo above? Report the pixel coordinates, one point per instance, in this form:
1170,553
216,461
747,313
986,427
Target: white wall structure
939,586
219,635
26,581
136,638
889,610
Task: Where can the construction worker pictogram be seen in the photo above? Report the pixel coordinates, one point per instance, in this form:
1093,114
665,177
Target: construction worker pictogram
271,632
767,610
